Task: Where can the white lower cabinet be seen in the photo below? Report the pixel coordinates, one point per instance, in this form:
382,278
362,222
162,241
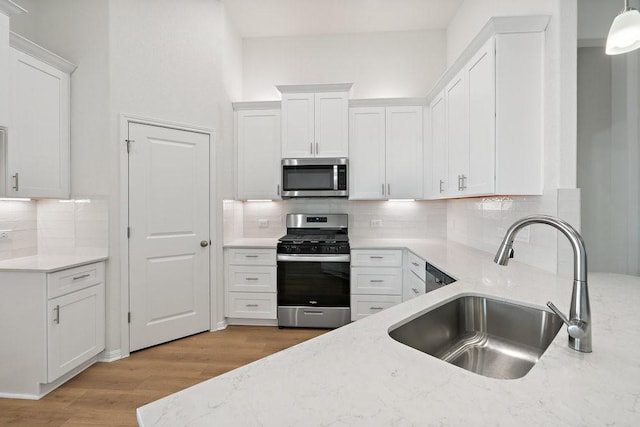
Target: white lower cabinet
415,275
250,285
52,325
376,281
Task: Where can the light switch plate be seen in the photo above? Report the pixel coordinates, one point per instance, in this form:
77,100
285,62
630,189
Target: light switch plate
376,223
263,223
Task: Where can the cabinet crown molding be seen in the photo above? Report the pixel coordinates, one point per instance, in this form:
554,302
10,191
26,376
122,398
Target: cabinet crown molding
388,102
256,105
315,88
495,25
10,8
22,44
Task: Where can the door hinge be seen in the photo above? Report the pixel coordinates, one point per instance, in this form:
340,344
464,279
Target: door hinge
128,142
128,232
129,317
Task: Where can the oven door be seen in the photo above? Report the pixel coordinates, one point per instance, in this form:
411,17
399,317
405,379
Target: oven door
313,291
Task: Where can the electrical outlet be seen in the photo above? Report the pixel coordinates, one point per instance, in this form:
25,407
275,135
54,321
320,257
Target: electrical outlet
263,223
523,235
5,234
376,223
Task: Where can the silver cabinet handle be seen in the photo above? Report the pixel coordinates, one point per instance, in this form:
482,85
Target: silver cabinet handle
388,189
251,278
204,243
251,305
375,308
16,178
415,263
463,180
441,184
376,281
278,189
311,148
57,312
82,276
251,256
415,291
383,189
375,257
317,148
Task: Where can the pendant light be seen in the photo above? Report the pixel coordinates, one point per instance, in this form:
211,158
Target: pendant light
624,35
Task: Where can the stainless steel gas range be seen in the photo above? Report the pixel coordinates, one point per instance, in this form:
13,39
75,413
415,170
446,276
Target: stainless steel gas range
313,272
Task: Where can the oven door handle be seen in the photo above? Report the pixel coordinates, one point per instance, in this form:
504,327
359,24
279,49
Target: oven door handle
314,258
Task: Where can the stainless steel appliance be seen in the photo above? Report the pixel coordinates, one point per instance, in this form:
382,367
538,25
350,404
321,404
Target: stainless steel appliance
435,278
315,178
313,272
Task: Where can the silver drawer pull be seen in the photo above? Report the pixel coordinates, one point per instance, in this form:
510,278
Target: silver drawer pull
16,177
251,256
415,290
82,276
376,257
415,263
251,278
375,308
251,305
57,311
376,281
313,313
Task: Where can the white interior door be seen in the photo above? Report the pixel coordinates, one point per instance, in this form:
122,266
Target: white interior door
169,234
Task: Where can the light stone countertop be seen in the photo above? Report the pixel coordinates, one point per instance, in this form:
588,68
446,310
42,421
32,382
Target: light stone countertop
358,376
267,243
51,263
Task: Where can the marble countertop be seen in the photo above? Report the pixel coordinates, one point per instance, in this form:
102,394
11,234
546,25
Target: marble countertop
358,376
51,263
252,243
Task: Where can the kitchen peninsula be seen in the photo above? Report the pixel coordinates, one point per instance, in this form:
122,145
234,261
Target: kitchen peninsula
358,375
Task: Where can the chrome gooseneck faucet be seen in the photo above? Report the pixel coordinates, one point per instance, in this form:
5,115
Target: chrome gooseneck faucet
579,321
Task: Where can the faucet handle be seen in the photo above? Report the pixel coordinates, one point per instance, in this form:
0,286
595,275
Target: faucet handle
575,327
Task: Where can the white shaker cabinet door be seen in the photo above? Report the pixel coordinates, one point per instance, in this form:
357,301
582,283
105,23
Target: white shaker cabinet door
404,152
4,72
436,158
331,124
298,122
482,122
38,137
457,141
258,144
367,164
76,323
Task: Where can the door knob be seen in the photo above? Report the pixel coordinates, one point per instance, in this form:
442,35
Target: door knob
204,243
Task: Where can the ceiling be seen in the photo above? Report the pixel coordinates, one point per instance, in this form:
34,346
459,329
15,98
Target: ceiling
277,18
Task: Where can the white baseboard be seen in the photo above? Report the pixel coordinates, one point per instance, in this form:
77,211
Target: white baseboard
111,356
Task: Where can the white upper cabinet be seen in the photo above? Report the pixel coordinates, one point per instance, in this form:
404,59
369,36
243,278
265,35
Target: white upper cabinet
258,150
404,152
367,175
491,99
315,121
436,149
38,136
385,143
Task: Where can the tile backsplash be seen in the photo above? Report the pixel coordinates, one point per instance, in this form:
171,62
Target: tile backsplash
374,219
53,227
19,219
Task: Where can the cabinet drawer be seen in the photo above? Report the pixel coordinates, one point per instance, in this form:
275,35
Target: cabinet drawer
365,305
376,281
417,265
413,286
73,279
376,258
251,278
250,256
251,305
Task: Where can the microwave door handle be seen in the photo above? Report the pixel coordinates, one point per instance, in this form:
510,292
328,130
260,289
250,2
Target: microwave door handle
335,177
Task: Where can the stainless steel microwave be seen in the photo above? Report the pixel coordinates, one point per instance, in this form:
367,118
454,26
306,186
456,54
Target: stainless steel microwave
315,177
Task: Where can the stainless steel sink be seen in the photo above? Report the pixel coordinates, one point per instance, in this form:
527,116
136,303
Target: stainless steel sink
489,337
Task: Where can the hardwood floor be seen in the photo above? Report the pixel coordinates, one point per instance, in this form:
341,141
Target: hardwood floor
107,394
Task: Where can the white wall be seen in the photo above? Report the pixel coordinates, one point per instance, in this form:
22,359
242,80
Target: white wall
381,65
481,223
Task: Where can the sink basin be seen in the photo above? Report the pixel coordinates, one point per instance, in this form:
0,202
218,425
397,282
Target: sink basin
493,338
